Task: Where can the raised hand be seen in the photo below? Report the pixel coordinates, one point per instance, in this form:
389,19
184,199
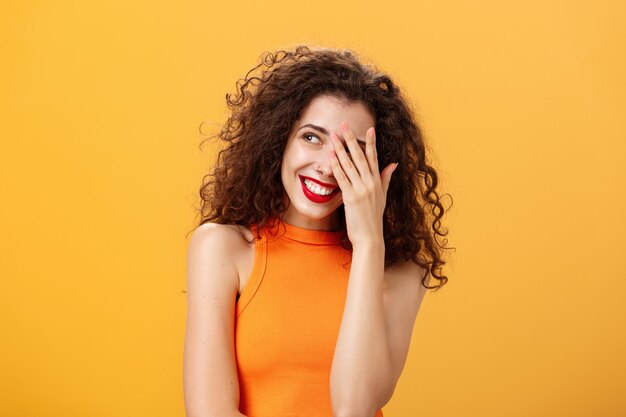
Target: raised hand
363,188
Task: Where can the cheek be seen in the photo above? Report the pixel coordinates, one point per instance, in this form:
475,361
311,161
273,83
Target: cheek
291,166
283,176
288,175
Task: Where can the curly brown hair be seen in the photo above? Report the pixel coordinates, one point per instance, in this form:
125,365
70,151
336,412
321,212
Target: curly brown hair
245,187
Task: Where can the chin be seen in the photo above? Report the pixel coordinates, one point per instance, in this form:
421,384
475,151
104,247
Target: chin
316,214
303,209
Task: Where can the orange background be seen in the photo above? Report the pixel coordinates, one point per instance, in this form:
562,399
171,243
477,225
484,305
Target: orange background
524,104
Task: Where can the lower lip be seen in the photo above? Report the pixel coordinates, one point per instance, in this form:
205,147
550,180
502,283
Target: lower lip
317,198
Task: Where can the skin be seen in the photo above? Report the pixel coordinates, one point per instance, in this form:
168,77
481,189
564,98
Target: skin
381,304
308,153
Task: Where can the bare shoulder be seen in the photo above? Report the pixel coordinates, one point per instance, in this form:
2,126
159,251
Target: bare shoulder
405,276
212,241
406,267
403,293
211,385
226,236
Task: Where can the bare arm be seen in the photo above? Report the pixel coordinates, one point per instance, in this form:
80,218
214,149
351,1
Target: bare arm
380,311
361,369
375,333
211,385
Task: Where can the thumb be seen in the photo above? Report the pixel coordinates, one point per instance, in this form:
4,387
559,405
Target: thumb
386,176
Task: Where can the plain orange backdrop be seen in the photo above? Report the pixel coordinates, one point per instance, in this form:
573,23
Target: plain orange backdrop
524,106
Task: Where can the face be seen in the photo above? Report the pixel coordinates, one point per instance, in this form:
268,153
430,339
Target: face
312,193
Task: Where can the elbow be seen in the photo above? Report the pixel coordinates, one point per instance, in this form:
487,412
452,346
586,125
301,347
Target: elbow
214,414
367,406
210,409
355,409
359,400
353,412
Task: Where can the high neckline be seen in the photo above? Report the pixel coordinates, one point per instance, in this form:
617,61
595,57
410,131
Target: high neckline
319,237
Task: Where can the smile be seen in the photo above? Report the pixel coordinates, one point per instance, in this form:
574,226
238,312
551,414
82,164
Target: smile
316,192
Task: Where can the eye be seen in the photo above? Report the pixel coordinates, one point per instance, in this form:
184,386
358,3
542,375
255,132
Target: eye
306,137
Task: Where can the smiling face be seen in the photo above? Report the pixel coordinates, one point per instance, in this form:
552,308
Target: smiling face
310,186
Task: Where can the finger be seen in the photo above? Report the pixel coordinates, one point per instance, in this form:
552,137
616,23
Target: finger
338,172
386,176
358,158
370,151
346,164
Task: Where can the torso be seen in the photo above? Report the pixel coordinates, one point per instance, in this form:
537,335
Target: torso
243,255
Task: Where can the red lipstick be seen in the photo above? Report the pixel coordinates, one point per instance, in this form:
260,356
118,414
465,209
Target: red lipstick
315,197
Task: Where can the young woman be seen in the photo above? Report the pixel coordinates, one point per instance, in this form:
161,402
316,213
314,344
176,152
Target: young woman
316,244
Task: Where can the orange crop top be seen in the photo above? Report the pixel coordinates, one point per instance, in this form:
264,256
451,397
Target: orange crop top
287,322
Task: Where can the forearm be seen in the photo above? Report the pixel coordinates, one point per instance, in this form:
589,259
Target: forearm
204,414
236,413
361,364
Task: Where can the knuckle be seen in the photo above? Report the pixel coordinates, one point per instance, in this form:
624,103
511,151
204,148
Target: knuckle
361,193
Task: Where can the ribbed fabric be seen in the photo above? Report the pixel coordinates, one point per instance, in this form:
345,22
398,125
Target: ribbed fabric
287,322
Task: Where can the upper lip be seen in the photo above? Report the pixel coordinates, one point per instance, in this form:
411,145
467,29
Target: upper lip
323,184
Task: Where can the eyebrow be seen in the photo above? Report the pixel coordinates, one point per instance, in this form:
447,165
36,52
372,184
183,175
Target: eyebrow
324,131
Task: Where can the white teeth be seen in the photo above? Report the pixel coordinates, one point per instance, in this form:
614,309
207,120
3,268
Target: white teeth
315,188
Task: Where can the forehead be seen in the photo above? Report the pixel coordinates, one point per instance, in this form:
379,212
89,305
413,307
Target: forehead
329,111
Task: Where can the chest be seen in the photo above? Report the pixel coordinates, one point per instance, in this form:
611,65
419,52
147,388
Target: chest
292,319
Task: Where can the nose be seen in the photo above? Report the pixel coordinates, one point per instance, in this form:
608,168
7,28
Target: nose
323,166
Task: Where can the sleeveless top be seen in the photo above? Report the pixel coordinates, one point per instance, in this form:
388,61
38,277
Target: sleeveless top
287,322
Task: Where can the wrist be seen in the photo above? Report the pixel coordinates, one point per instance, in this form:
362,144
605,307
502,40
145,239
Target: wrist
370,244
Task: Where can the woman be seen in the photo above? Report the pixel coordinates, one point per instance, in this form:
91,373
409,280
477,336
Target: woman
315,245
